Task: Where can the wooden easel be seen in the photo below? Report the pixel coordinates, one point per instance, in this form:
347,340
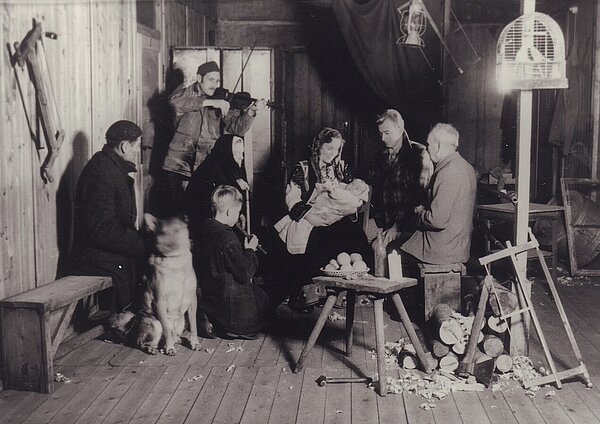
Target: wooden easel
555,376
31,50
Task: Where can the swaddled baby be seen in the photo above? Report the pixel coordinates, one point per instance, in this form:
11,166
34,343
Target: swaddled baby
332,199
343,199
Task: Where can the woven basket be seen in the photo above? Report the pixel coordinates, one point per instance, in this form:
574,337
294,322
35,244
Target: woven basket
355,273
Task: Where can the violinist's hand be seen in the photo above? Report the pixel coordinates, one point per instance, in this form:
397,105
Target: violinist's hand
218,104
260,104
252,243
256,106
242,184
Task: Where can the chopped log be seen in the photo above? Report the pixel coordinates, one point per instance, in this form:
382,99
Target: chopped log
459,348
493,346
448,328
504,299
439,349
504,363
408,361
449,362
497,324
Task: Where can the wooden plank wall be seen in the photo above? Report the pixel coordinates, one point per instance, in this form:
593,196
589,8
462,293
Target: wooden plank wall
580,46
474,103
90,69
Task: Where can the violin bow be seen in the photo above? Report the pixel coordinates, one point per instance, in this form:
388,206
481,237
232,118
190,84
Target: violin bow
244,67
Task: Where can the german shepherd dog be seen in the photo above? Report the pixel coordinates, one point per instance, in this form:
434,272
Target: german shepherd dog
169,301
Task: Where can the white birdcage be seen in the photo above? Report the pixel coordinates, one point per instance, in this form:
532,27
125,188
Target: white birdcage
530,54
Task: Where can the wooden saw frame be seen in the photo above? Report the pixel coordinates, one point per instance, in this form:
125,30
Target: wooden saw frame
555,376
31,51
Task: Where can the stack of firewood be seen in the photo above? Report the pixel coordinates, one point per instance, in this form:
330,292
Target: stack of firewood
451,332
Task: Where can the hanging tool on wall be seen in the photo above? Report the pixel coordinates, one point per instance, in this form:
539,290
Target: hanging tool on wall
31,51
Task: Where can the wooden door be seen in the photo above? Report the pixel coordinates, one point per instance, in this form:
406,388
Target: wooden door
257,80
149,83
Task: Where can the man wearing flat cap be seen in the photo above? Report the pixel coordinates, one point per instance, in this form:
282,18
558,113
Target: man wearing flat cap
199,121
106,242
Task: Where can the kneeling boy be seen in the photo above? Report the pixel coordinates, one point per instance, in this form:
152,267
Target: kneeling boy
236,307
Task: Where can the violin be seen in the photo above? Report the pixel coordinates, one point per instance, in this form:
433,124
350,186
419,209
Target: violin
237,101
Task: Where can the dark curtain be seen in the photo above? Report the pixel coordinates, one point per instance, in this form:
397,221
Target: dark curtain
399,75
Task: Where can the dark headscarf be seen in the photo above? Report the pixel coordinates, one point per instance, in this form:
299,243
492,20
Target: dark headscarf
218,168
221,156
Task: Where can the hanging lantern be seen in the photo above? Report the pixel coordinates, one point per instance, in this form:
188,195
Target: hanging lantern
530,54
413,23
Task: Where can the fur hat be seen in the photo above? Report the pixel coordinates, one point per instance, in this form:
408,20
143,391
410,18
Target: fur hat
207,67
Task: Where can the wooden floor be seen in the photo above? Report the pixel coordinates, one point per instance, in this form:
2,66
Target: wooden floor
251,382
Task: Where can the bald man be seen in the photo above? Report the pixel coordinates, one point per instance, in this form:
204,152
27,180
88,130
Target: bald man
446,222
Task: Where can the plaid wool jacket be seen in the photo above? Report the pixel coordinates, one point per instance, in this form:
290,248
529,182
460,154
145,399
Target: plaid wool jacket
400,186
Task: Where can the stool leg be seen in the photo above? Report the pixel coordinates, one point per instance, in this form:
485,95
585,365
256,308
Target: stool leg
412,335
350,301
316,331
380,344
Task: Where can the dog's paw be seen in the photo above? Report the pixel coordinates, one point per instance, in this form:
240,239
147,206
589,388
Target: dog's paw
170,351
150,350
196,346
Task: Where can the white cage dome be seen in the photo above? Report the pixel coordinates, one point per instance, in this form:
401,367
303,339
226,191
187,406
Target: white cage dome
530,54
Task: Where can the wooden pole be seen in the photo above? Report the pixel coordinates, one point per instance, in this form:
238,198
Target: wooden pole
445,67
596,97
520,327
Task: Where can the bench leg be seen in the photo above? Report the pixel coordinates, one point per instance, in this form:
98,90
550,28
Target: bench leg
61,327
316,331
350,301
380,345
412,335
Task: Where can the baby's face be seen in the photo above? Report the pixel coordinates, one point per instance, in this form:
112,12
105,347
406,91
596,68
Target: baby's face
355,187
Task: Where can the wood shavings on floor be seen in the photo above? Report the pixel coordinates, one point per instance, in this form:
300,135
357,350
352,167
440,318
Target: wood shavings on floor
436,386
61,378
334,316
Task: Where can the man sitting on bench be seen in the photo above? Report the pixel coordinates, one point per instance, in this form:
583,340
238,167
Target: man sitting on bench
106,242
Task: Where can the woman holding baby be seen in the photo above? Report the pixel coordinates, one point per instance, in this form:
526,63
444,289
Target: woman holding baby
322,201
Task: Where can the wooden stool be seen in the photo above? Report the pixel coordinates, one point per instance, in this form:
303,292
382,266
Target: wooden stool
380,288
441,284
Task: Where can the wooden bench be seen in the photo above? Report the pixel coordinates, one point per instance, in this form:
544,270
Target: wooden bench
441,284
32,326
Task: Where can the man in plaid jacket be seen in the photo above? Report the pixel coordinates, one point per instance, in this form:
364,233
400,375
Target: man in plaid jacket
399,175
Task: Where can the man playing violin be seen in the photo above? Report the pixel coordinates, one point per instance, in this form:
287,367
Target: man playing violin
200,120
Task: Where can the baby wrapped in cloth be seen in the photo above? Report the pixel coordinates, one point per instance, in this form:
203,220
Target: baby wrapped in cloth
338,199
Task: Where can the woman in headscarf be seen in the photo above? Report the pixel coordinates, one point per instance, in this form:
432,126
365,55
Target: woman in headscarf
223,166
331,234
